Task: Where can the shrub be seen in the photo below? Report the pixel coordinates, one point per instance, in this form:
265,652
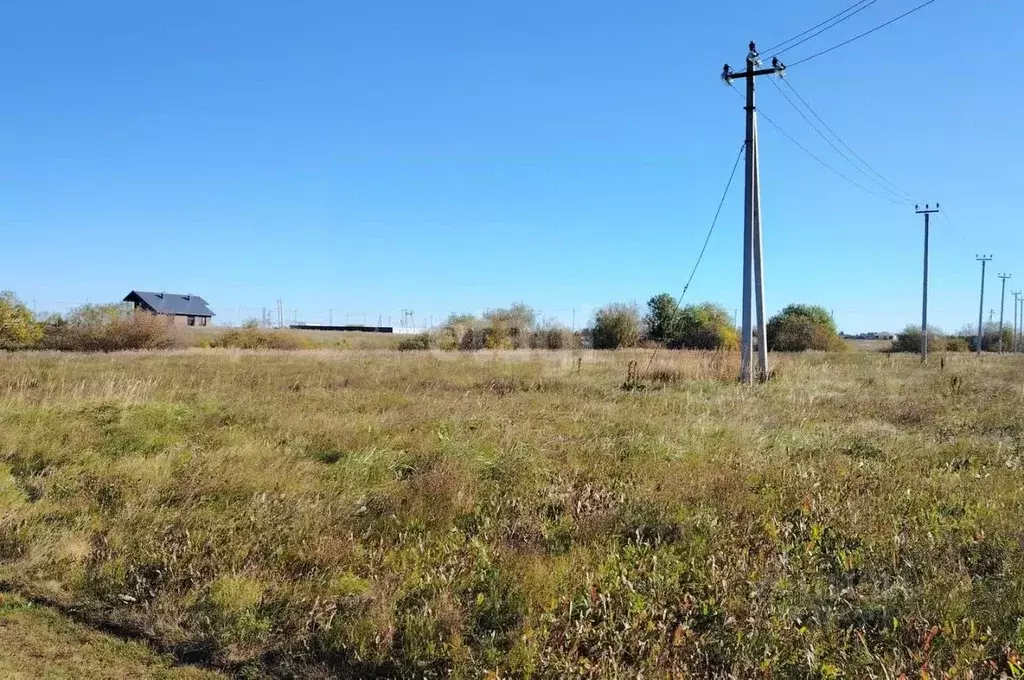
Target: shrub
452,333
704,326
509,328
110,328
956,344
414,343
616,325
18,327
554,336
799,328
910,340
989,337
249,337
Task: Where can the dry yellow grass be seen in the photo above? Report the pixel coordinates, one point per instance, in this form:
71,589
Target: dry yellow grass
426,514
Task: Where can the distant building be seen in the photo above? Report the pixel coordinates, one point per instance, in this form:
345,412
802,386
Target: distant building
877,335
182,310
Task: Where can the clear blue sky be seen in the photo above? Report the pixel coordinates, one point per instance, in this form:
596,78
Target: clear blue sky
367,156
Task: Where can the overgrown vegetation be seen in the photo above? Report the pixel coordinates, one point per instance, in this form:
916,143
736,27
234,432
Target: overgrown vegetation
18,328
798,328
910,340
352,515
616,325
703,326
108,328
251,336
515,327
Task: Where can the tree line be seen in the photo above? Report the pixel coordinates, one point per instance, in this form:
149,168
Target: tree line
708,326
664,322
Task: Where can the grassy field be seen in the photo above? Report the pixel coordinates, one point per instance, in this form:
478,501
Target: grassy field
383,514
195,337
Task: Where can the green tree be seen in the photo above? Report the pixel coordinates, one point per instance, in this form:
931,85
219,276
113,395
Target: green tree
616,325
705,326
18,327
798,328
662,318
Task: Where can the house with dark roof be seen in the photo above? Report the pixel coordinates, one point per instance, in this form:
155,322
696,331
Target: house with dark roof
181,310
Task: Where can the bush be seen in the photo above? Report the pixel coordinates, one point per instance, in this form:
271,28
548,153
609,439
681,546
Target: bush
704,326
910,340
250,337
110,328
415,343
554,337
989,337
799,328
956,344
18,327
509,328
616,325
452,333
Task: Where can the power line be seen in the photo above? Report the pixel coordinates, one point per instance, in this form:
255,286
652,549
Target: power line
714,221
862,35
818,158
831,26
834,147
707,239
816,26
845,145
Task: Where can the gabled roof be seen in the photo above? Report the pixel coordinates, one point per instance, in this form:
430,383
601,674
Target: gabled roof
170,303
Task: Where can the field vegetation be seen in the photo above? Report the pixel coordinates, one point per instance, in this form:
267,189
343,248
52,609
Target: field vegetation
435,514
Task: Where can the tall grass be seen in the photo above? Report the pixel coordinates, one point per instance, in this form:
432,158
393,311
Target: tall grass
518,513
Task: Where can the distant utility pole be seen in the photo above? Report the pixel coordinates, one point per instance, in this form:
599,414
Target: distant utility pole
280,313
927,212
1002,309
983,259
1016,302
330,317
1020,322
752,246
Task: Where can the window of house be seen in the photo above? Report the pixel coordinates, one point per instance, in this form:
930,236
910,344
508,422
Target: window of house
202,321
191,321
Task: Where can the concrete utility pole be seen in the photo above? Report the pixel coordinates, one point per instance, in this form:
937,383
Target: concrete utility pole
1019,303
1002,309
753,271
1016,301
927,212
983,259
1020,322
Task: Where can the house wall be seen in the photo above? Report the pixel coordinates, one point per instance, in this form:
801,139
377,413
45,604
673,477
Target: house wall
183,321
